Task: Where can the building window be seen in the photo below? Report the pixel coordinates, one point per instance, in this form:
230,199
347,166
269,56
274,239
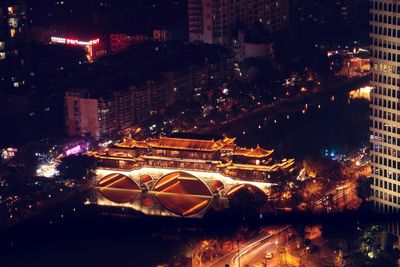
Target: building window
12,33
10,10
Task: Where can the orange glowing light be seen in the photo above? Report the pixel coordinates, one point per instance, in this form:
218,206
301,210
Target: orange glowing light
199,206
235,189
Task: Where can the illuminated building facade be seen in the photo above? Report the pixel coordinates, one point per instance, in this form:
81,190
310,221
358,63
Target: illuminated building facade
12,40
197,153
254,45
93,47
81,115
385,108
122,41
123,103
215,21
183,172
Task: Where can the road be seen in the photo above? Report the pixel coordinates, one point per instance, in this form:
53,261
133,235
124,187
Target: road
252,252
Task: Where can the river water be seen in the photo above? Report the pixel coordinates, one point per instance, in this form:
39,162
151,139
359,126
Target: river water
329,121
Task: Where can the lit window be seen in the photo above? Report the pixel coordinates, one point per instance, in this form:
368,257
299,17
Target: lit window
2,55
13,22
1,45
10,10
12,33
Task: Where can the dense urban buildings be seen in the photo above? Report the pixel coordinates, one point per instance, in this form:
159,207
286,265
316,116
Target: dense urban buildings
385,114
156,77
109,111
218,22
13,34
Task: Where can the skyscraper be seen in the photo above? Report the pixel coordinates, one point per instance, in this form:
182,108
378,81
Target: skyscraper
385,104
217,21
12,40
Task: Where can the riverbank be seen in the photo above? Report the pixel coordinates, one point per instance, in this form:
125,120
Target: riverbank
282,106
43,206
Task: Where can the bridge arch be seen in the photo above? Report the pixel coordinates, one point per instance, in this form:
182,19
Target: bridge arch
216,186
247,187
148,201
145,179
118,188
183,193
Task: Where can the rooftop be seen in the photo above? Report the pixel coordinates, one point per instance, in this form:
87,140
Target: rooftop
186,144
195,136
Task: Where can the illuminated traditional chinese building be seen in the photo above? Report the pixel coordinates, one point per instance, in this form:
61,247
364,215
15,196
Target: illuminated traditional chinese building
183,173
189,152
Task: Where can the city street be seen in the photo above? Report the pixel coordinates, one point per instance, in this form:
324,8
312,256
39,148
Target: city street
253,252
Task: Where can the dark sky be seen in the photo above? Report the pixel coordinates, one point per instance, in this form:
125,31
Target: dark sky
131,16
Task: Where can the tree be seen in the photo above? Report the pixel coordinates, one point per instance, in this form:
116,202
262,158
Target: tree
79,167
313,191
364,188
296,199
246,201
27,163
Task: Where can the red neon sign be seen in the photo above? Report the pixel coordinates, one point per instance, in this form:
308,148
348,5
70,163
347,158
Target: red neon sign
61,40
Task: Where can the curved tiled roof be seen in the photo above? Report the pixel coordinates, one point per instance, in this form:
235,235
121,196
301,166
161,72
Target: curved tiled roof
259,152
131,143
186,144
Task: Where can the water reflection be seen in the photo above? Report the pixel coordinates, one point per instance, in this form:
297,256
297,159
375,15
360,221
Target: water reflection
118,188
175,194
183,193
361,93
154,203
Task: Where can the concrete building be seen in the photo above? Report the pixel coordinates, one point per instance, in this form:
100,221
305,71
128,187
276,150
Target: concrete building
385,107
158,98
99,112
141,101
353,13
254,45
12,40
81,114
217,21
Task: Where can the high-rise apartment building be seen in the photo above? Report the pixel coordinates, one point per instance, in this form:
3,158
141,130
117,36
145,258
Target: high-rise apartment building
351,13
385,104
218,21
12,40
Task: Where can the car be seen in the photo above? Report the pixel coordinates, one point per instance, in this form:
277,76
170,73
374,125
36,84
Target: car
268,255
